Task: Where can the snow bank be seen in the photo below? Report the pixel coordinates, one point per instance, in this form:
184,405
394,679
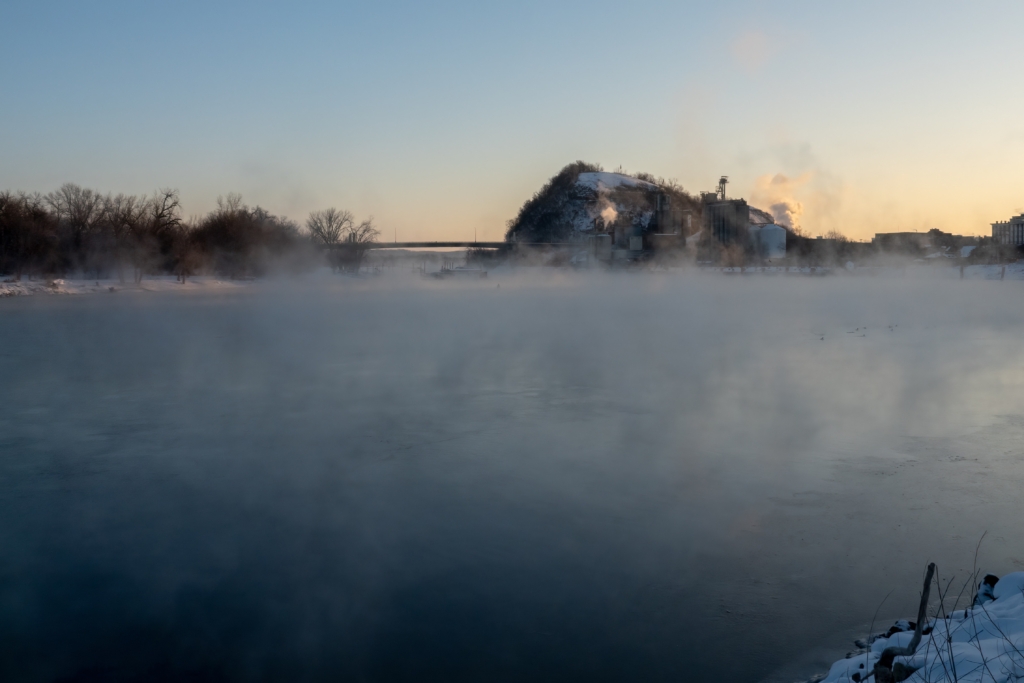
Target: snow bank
1011,271
603,182
26,287
985,643
151,284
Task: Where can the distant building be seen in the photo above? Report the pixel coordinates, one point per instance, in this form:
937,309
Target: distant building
931,244
728,221
892,241
1009,232
670,218
735,224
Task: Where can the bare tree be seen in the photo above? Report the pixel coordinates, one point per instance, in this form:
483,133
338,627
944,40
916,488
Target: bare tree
79,213
364,233
155,230
242,241
184,251
230,204
165,210
123,215
27,233
349,252
327,227
78,207
338,231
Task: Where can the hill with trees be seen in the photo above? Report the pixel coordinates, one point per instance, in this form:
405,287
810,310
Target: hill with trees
582,198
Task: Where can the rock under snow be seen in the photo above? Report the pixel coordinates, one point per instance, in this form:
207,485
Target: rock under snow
983,643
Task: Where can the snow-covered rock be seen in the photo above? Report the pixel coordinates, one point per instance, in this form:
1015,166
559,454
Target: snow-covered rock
1010,585
983,643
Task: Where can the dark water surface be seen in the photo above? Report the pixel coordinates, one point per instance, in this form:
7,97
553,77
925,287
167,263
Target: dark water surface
620,478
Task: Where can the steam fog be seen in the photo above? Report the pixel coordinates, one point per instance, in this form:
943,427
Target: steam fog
558,477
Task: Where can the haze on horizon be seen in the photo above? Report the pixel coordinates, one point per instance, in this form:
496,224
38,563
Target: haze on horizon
440,120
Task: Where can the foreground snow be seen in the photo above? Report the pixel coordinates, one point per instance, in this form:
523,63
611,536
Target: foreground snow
153,284
985,643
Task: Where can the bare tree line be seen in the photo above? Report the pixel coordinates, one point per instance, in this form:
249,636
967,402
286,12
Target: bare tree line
75,230
346,240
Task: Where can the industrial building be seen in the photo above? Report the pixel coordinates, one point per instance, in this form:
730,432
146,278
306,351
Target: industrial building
1009,232
650,223
624,218
729,222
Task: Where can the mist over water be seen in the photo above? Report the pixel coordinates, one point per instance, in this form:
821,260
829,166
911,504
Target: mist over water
577,477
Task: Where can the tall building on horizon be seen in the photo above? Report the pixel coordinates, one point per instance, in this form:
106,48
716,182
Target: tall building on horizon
1009,232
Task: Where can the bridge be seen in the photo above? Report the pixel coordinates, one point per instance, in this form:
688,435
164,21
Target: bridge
438,245
452,245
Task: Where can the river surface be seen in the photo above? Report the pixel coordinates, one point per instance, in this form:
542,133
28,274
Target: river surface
530,477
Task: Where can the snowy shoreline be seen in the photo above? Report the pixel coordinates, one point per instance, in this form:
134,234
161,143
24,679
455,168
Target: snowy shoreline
1010,271
165,283
980,643
82,286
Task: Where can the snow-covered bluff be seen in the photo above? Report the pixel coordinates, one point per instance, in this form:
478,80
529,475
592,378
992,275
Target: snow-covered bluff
983,643
581,198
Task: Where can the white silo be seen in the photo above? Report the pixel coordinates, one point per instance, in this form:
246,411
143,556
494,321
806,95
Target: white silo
771,241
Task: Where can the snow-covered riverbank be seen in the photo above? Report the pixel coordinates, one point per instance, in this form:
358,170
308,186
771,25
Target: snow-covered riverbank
8,287
150,284
983,643
1010,271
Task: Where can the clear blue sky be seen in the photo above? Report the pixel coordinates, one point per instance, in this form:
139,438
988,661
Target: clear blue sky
441,118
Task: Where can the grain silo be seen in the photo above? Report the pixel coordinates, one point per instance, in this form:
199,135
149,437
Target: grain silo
771,241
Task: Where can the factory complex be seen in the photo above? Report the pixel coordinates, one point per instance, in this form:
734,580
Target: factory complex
588,216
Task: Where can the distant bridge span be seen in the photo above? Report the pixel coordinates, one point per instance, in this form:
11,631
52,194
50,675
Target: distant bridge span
456,245
437,245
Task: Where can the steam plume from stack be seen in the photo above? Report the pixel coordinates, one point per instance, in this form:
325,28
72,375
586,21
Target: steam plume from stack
777,192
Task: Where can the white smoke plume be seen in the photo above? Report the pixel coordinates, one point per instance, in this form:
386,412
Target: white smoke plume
809,201
778,192
609,214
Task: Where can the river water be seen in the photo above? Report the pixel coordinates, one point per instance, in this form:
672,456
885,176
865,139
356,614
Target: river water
530,477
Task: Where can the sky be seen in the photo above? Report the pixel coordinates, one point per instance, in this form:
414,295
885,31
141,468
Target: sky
439,119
